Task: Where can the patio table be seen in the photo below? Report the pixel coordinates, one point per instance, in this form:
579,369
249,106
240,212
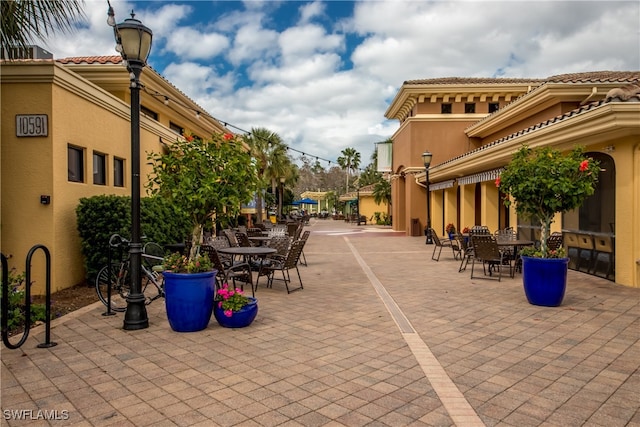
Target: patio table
247,252
516,244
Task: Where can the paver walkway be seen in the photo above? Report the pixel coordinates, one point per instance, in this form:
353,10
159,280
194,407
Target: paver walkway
381,335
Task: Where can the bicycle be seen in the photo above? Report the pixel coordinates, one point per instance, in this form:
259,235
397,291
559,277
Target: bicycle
113,281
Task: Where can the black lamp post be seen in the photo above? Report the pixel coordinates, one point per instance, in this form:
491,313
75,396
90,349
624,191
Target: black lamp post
280,199
134,44
358,203
426,159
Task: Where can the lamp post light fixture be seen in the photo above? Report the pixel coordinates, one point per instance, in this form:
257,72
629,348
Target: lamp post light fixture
134,44
426,159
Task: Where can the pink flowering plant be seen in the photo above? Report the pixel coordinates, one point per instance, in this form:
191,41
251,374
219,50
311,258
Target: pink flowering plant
179,263
544,182
230,300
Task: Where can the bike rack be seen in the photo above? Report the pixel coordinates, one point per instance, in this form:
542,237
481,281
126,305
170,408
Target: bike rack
109,312
27,295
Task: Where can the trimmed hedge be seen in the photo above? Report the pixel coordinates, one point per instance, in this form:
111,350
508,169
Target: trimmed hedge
99,217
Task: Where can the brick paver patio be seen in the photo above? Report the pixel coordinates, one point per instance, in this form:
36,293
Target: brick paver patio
381,335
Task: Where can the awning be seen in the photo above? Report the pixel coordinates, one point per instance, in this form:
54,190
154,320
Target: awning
441,185
491,175
306,201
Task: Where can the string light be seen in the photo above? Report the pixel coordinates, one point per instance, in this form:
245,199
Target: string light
111,21
198,113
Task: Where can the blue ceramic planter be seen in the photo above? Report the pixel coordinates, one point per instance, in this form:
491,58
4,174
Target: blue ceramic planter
189,299
545,280
240,318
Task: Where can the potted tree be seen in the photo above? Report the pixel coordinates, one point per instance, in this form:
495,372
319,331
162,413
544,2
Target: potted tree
543,182
204,178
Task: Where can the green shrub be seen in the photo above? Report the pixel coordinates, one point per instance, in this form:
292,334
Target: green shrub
17,308
101,216
381,218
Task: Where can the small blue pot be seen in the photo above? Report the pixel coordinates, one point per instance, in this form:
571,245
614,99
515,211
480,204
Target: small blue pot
240,318
545,280
189,299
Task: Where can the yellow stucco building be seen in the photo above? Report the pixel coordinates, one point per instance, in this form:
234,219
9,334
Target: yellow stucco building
472,126
366,203
66,134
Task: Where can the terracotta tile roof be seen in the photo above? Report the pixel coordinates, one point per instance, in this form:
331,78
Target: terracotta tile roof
469,80
536,126
593,76
596,76
115,59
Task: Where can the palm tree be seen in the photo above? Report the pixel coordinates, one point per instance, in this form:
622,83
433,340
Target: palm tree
382,193
24,21
271,158
350,160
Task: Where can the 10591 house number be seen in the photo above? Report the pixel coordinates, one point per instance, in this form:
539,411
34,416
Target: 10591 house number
31,125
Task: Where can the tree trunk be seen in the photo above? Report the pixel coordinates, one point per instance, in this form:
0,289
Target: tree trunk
258,207
196,241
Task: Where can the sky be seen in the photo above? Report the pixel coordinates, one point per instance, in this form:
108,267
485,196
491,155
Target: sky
321,74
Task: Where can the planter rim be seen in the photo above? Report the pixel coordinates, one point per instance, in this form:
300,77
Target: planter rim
546,259
194,275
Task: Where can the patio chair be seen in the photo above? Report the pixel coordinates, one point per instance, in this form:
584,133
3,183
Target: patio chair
507,235
554,242
305,237
277,230
292,228
486,251
479,229
290,262
466,251
231,237
254,232
439,244
243,239
281,245
219,242
239,272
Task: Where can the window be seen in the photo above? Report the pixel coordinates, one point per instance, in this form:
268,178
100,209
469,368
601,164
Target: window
99,169
445,109
469,108
147,112
176,128
118,172
493,107
75,164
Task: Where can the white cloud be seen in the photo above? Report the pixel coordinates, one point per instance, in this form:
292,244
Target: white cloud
192,44
285,65
198,80
252,41
310,11
307,39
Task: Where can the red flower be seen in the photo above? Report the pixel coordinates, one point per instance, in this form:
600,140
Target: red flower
189,138
498,182
228,136
584,165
